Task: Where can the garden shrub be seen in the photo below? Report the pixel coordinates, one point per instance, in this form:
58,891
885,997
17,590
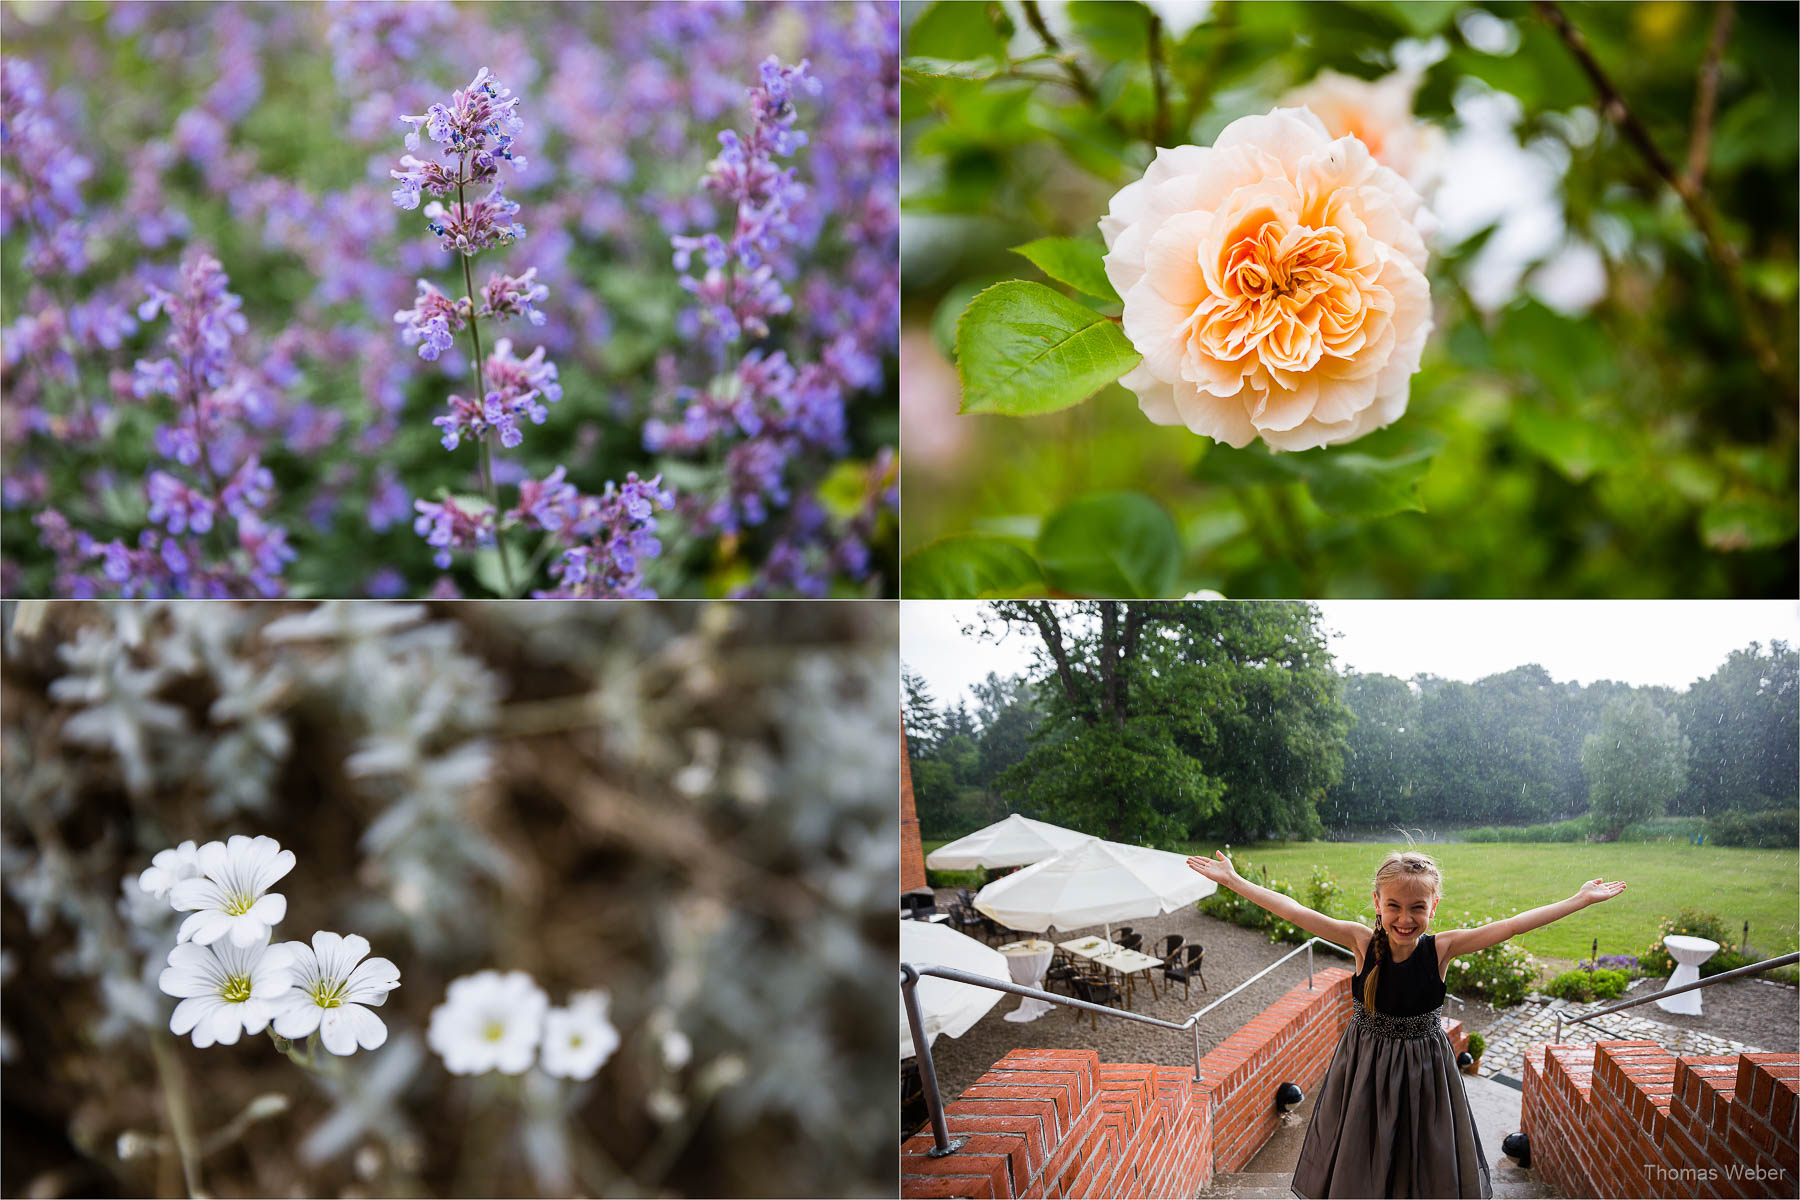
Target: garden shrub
1775,829
1693,922
1588,985
1500,974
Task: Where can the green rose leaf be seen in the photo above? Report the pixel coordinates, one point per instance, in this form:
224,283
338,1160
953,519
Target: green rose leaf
1112,544
1374,476
970,567
1747,522
1573,446
1074,262
1023,349
918,66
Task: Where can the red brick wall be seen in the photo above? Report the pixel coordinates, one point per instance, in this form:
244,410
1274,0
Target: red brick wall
1628,1118
1061,1123
912,851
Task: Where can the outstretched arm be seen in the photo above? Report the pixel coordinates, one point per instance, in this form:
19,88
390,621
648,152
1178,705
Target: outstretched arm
1220,870
1467,941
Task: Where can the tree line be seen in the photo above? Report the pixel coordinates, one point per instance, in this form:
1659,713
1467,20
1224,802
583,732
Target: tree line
1161,723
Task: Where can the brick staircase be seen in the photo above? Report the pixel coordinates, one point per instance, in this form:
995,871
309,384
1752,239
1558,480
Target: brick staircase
1628,1118
1496,1109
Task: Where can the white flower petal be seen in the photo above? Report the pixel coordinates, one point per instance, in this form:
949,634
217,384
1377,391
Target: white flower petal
299,1019
204,927
190,1013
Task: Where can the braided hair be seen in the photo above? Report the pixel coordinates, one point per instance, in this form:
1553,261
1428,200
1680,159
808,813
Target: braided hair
1405,864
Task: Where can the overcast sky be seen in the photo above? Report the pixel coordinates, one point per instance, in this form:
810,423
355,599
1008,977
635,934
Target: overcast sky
1642,642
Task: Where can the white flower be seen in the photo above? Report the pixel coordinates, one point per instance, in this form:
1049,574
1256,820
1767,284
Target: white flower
579,1038
331,987
170,867
225,989
229,892
488,1021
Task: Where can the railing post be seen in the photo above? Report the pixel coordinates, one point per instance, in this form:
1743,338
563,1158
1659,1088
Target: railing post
1559,1024
1309,982
1197,1052
934,1104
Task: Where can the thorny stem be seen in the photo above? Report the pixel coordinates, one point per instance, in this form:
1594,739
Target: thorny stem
1707,94
486,454
1077,77
1159,129
1200,87
1693,196
181,1121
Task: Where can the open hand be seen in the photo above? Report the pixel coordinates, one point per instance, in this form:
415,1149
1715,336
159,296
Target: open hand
1596,890
1218,868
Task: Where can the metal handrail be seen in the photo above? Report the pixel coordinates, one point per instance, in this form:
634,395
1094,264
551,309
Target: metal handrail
910,973
1755,968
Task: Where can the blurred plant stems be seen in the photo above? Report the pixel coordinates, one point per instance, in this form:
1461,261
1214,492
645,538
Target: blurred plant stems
181,1120
1692,194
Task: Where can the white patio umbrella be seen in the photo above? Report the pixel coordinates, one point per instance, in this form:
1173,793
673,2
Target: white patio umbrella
1094,883
946,1007
1012,842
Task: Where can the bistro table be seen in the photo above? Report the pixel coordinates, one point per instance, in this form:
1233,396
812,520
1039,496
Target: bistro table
1688,953
1087,947
1129,963
1027,961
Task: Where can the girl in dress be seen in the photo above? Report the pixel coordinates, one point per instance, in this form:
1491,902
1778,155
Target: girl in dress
1391,1117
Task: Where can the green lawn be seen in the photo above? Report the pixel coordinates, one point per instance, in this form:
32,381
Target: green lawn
1497,878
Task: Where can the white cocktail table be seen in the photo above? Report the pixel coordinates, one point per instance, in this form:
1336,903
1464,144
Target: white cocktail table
1688,953
1027,961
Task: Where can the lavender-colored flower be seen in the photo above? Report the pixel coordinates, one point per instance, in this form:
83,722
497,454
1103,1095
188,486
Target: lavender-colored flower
765,197
476,225
42,176
449,526
609,537
510,296
176,506
550,503
431,323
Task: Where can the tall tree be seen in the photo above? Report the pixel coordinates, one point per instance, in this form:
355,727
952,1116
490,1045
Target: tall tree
1163,718
1744,723
924,724
1382,753
1635,763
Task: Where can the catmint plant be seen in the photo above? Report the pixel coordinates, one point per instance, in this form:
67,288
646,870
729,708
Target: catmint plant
603,540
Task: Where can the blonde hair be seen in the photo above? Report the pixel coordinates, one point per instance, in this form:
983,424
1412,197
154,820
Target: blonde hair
1408,865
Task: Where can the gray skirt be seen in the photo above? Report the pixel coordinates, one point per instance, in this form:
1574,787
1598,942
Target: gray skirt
1392,1118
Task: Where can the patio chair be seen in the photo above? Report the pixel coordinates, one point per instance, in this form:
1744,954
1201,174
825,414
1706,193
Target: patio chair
1096,990
1167,950
1132,941
1185,965
964,919
1062,971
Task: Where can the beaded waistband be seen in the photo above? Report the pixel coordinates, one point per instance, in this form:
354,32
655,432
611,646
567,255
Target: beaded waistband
1384,1026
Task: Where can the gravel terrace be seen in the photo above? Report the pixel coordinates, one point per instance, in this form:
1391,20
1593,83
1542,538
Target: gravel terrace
1753,1012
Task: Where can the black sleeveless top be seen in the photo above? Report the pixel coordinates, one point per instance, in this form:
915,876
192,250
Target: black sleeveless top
1404,989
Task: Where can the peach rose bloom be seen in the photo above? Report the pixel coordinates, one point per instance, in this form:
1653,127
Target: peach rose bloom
1379,114
1274,283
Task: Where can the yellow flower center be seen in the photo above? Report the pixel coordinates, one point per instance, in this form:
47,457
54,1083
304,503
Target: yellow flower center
328,993
494,1031
236,989
239,904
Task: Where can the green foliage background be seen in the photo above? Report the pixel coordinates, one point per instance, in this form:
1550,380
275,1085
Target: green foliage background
1639,450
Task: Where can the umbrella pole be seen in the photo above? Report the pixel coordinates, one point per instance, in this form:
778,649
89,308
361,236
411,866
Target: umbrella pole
940,1129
